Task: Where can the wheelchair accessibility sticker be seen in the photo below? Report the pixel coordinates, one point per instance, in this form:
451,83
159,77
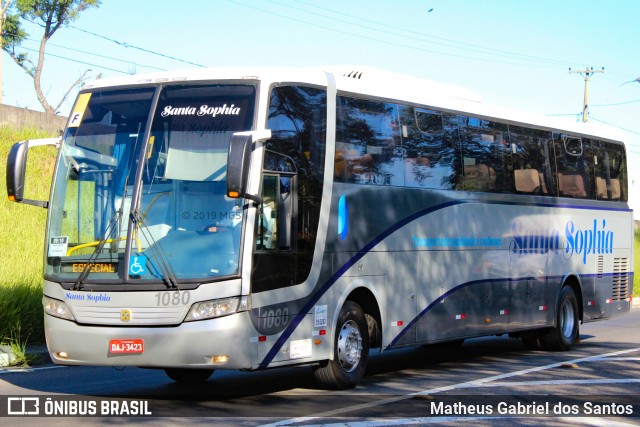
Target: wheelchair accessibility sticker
137,265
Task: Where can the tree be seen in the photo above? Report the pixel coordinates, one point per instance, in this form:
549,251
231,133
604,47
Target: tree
50,15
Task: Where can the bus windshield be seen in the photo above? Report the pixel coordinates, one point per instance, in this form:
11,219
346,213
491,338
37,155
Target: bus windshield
148,184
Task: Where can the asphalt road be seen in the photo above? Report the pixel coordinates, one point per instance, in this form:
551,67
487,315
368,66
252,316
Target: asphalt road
488,381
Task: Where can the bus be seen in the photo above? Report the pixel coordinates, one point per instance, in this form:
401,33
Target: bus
257,218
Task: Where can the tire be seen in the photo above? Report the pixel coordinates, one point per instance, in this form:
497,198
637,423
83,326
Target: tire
350,351
188,376
565,334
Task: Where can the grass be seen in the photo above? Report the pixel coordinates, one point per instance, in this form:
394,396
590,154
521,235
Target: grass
21,243
18,346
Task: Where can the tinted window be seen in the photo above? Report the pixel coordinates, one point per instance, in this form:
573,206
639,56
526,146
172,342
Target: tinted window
381,143
368,143
485,154
572,166
297,119
610,171
531,162
428,141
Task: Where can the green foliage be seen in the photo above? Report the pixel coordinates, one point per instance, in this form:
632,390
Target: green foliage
53,13
18,346
50,15
22,229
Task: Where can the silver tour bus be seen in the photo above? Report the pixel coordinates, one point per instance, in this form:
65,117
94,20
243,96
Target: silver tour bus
250,219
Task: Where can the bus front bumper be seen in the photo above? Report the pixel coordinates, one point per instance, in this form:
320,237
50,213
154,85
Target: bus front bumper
222,343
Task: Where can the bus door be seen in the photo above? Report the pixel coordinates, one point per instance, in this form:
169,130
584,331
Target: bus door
274,260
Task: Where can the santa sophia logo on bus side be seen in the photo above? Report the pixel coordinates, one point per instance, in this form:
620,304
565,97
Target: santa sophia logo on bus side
596,240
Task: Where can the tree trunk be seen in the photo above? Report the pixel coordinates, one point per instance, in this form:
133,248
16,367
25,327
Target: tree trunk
36,79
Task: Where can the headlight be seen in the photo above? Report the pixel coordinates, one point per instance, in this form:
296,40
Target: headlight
57,308
216,308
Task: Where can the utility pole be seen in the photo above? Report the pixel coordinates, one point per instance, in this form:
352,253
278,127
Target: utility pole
587,72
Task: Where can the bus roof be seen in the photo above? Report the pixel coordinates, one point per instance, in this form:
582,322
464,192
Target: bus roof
374,83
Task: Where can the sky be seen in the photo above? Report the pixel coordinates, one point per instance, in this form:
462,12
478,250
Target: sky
511,53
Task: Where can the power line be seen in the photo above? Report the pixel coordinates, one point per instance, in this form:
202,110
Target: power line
389,42
88,53
107,57
76,60
128,45
614,104
415,35
619,127
418,36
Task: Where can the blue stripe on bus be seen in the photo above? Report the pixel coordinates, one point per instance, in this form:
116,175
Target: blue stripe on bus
325,287
286,334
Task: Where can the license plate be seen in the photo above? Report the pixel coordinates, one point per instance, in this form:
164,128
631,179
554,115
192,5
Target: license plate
126,346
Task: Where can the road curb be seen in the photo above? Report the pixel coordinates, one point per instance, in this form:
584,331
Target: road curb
6,356
37,355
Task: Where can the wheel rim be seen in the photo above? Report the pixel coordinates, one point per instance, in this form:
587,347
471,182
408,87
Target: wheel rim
567,320
349,346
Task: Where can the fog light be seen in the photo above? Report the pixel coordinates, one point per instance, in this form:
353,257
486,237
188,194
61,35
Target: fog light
219,360
62,355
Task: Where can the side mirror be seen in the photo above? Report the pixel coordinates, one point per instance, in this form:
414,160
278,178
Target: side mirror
17,166
239,162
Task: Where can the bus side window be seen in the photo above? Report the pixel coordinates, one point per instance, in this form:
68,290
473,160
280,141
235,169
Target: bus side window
368,143
531,163
610,176
430,158
573,171
485,153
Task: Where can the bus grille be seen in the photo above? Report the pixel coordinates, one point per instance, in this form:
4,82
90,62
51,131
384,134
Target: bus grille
620,285
600,266
137,315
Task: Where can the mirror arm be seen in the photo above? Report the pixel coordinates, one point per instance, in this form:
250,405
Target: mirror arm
254,198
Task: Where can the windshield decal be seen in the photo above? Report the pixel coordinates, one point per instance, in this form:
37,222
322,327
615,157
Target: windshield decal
203,110
78,110
58,246
138,265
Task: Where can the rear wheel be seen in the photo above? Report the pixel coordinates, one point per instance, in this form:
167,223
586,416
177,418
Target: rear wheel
350,351
188,376
565,333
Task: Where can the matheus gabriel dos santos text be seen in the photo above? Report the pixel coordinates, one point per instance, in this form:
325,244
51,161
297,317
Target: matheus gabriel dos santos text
533,408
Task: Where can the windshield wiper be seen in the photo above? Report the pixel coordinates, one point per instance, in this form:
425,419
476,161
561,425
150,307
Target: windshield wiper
79,283
165,266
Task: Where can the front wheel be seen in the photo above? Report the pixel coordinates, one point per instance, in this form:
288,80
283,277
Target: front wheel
350,351
565,333
188,376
